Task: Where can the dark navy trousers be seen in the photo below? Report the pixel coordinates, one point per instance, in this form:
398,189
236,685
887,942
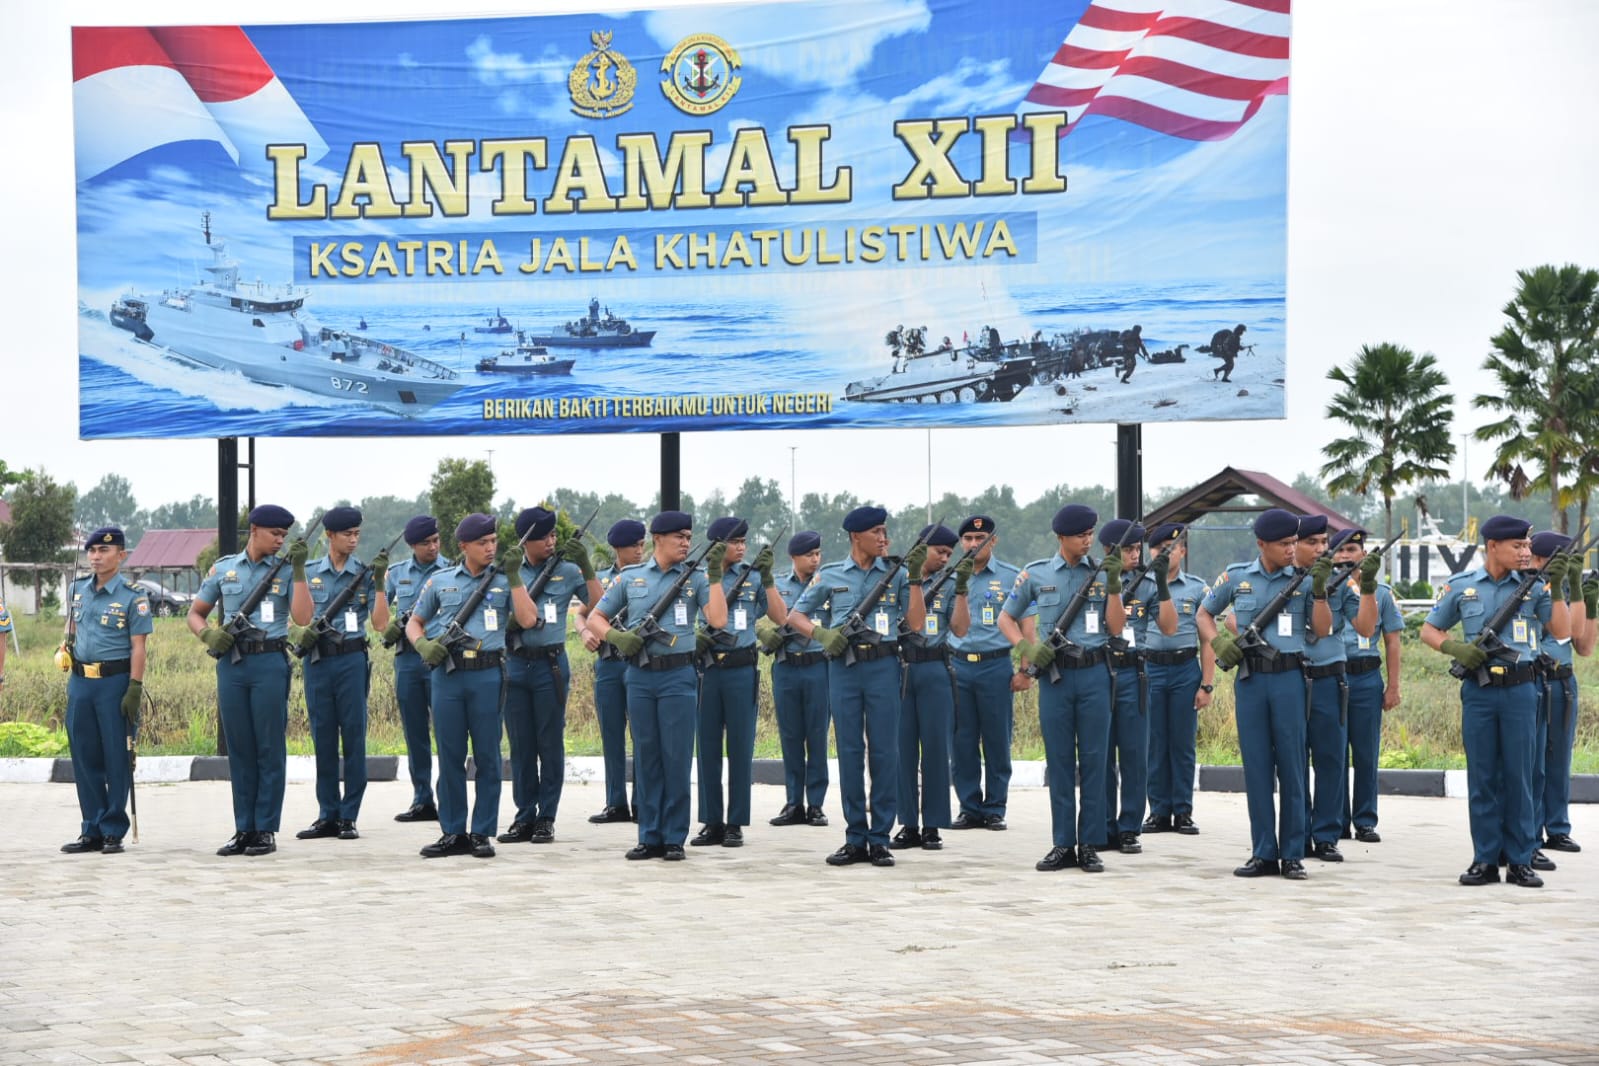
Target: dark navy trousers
661,710
1365,748
466,709
98,735
1556,758
335,697
253,696
1271,739
610,707
1327,743
1126,751
535,724
727,711
1173,732
413,690
865,702
800,693
985,722
926,723
1498,728
1074,718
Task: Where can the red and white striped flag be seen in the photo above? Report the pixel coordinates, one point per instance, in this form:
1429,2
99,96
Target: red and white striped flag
1197,69
135,89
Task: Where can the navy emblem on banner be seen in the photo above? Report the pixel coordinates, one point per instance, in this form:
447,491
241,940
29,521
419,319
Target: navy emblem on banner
602,82
699,74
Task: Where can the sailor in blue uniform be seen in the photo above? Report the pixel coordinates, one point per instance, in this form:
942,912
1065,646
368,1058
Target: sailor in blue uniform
1128,742
984,702
1270,701
1499,719
253,693
413,686
467,699
626,539
1073,711
1368,698
336,684
799,690
927,696
5,631
729,686
661,693
1552,781
110,619
864,693
538,676
1182,674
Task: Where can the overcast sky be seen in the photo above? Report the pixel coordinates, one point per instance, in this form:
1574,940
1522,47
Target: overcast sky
1436,147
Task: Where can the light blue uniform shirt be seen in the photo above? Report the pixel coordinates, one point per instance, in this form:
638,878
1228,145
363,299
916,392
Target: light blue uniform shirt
751,602
1344,603
325,583
446,591
406,578
5,619
107,619
1187,593
231,580
1247,587
1050,584
1388,621
935,628
1471,597
553,602
986,599
838,587
789,587
637,588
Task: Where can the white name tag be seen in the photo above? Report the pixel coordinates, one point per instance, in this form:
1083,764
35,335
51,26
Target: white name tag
269,612
352,622
1363,643
880,623
988,616
491,619
1285,625
930,627
1518,630
1091,622
680,613
741,619
1131,637
550,615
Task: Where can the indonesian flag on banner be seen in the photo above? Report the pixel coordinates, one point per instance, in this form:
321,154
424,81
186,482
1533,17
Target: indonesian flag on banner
135,89
1197,69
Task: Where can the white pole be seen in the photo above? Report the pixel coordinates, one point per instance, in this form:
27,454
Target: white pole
1465,480
793,497
929,476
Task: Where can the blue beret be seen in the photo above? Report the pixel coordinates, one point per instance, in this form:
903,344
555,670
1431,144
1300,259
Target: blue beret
727,527
420,528
535,523
804,542
271,516
939,536
671,522
1505,527
1312,525
1351,535
863,518
1548,542
625,534
1164,532
474,527
1110,534
1276,524
106,535
342,519
977,523
1073,519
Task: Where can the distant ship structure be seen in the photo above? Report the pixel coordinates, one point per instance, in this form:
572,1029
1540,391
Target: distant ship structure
525,360
594,331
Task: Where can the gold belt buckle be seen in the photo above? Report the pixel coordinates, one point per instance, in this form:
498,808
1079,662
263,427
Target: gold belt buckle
1496,670
91,669
469,654
973,657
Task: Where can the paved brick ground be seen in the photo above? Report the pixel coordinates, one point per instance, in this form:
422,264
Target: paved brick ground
362,953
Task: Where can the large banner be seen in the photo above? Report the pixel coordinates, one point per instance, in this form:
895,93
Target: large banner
818,214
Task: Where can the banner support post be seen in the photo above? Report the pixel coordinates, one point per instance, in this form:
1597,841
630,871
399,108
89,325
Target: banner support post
1129,471
671,471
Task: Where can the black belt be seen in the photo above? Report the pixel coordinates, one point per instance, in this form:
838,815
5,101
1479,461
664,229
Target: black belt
1325,670
1171,658
865,653
1121,659
729,660
1080,660
260,647
1506,676
1558,672
548,653
922,653
111,668
1365,664
477,660
1284,662
981,656
801,658
325,648
669,662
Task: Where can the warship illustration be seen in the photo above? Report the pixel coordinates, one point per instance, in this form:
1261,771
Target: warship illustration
985,372
593,331
525,360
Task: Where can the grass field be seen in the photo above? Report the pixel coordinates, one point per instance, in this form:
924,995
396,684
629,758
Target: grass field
1423,732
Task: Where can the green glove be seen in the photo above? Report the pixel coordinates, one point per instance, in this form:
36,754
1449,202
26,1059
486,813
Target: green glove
1039,654
130,701
1590,595
763,563
914,560
963,575
575,552
768,634
713,562
1113,572
1225,645
299,552
1574,568
217,640
831,640
625,641
1162,584
510,565
380,570
702,641
433,653
1368,574
1320,571
1468,655
393,631
301,637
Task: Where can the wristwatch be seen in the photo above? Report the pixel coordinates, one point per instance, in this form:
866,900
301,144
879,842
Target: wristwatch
1207,688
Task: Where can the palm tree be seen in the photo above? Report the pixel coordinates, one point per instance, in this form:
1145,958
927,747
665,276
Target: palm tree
1544,362
1393,403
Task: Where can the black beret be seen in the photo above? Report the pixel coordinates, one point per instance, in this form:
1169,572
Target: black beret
625,534
342,519
1352,535
1164,532
1276,524
1548,542
977,523
1111,533
1312,525
863,518
727,527
106,535
271,516
535,523
1505,527
1074,519
474,527
804,542
939,536
671,522
420,528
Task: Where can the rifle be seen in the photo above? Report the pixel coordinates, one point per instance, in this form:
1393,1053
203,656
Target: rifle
1344,571
649,627
320,625
929,591
63,656
1057,641
854,626
722,638
240,626
1488,638
1250,640
455,633
541,581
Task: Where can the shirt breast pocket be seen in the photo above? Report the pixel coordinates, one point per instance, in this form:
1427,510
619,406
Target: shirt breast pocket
320,594
1472,609
233,593
841,603
1047,598
1246,605
450,603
